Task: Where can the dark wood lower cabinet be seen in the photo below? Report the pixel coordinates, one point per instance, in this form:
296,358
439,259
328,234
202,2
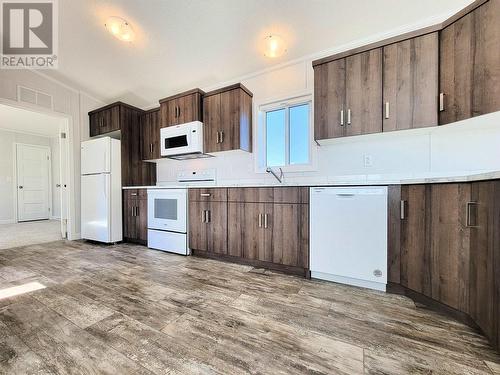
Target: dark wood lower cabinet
208,226
261,227
450,250
135,216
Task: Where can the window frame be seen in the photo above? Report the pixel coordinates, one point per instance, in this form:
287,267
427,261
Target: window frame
261,135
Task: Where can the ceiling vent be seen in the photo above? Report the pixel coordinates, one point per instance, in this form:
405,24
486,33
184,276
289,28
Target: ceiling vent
27,95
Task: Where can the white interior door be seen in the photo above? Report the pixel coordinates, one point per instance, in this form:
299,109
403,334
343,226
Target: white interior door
33,179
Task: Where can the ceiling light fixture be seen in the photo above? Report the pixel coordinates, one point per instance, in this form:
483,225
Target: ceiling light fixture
274,46
120,28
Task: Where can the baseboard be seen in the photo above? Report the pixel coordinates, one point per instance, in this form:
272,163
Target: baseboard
8,221
75,236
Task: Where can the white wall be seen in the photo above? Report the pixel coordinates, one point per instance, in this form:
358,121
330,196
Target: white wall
67,101
7,174
458,149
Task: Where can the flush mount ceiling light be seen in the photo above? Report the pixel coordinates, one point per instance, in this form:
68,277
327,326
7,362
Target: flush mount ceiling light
120,28
274,46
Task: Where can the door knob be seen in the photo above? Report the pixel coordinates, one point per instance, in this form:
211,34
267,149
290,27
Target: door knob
58,185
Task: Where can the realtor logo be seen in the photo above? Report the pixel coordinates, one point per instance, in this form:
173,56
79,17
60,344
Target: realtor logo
29,34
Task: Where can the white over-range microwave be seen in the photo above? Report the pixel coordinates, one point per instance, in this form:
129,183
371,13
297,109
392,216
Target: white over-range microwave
183,141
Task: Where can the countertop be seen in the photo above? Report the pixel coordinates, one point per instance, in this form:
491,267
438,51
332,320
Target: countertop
353,180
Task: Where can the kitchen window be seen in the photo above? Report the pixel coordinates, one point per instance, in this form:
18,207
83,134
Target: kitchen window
286,134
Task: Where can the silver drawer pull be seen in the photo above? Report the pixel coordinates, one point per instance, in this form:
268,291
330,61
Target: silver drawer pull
341,117
468,214
349,117
441,102
260,220
133,194
403,210
265,221
205,194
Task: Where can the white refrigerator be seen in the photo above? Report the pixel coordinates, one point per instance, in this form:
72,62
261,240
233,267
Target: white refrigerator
101,190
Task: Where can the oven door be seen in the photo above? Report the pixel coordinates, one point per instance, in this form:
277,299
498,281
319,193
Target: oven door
167,210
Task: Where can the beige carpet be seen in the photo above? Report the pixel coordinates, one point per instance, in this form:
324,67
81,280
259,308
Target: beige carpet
29,233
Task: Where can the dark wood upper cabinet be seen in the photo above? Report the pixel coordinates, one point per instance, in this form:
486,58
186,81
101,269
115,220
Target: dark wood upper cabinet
364,93
150,129
181,108
329,100
348,96
469,65
127,120
410,89
227,119
105,120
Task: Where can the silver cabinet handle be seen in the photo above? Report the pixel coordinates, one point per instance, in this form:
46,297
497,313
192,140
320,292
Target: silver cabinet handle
349,116
265,221
221,136
341,117
133,194
441,102
217,138
468,214
150,148
205,194
137,211
207,216
260,220
403,210
203,216
387,108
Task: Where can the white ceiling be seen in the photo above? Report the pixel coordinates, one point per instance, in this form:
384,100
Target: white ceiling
24,121
182,44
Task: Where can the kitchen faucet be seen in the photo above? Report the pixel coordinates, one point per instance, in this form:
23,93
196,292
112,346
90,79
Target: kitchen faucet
280,178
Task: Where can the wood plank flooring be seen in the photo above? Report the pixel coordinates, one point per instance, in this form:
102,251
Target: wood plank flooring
126,309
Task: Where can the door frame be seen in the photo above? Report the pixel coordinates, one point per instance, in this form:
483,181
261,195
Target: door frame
15,179
69,127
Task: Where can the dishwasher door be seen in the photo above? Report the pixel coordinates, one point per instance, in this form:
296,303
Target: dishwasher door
349,235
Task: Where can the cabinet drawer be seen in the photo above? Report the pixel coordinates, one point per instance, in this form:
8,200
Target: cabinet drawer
251,195
208,195
269,195
135,194
291,195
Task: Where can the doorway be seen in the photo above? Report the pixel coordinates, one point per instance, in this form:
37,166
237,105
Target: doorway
35,176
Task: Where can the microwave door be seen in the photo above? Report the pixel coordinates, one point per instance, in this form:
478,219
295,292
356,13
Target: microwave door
176,142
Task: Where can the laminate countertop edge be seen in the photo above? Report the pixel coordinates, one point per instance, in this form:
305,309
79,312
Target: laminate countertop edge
358,180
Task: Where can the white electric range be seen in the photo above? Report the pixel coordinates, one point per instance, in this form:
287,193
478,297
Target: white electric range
167,211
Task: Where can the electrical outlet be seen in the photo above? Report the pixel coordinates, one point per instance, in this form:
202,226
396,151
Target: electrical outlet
368,161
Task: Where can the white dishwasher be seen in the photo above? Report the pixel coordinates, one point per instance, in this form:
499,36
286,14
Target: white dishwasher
348,235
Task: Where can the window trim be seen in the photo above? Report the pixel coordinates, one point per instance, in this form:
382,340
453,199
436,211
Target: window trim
260,133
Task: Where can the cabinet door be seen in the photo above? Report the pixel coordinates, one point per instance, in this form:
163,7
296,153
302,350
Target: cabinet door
142,220
198,226
288,245
455,70
129,218
450,244
94,120
189,108
229,120
415,239
485,250
469,64
411,83
329,100
169,113
217,228
211,122
246,232
150,136
364,93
